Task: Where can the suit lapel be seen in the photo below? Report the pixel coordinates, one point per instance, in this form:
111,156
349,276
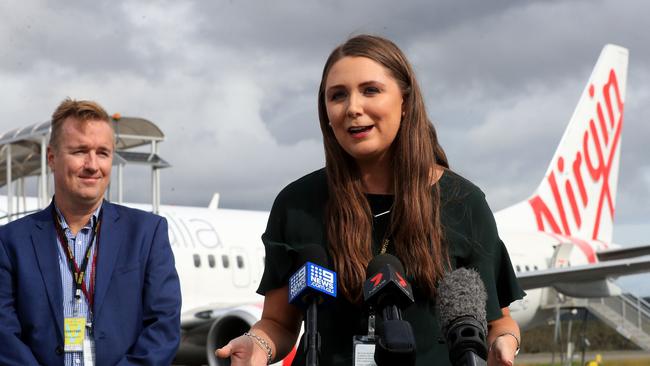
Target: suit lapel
45,247
110,240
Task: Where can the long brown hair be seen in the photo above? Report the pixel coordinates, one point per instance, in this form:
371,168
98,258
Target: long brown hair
415,221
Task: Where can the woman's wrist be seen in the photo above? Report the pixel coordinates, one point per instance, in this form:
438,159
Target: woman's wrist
506,334
262,343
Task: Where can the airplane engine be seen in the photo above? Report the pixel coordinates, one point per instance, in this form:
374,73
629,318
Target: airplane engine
230,325
212,329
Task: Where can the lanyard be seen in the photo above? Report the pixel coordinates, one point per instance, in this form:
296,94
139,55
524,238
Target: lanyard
78,273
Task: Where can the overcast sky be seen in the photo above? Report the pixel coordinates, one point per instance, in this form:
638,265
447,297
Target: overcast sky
233,84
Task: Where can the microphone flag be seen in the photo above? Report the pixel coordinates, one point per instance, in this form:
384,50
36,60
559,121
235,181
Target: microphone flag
311,279
388,281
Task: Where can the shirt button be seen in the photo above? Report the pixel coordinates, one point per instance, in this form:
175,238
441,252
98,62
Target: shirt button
76,360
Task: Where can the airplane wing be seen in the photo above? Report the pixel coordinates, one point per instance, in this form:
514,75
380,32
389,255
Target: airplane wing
583,274
621,253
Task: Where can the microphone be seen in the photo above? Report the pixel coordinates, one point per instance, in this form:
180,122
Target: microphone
386,290
309,287
461,304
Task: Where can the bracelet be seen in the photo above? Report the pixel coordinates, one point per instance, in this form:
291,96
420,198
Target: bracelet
503,334
263,344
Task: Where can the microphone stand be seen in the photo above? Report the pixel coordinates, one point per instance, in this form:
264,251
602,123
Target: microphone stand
312,345
392,312
467,343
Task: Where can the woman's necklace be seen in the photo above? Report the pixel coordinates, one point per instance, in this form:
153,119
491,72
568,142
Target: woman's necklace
384,246
386,241
381,214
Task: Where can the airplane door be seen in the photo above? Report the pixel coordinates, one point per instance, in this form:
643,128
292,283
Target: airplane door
258,264
240,267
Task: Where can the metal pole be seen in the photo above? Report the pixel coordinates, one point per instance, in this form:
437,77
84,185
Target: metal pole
583,336
120,182
10,200
157,184
638,311
48,186
42,192
557,334
155,180
23,197
569,343
157,173
153,189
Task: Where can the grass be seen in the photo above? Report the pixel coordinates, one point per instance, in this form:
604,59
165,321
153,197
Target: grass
638,362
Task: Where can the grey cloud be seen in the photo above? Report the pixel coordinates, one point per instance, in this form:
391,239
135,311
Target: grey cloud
292,116
544,41
68,34
233,84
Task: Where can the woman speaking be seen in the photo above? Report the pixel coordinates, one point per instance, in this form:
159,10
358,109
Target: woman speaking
386,188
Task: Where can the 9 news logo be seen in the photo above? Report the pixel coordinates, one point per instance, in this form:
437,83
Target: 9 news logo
314,277
297,282
321,279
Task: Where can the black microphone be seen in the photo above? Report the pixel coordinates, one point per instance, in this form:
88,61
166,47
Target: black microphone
386,290
310,286
461,304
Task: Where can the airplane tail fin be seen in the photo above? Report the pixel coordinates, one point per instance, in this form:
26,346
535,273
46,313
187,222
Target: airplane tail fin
577,195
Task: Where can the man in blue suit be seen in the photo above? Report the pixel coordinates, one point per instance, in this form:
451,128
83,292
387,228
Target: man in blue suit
86,282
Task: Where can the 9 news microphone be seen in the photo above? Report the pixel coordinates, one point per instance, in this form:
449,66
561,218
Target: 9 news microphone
311,285
461,303
387,291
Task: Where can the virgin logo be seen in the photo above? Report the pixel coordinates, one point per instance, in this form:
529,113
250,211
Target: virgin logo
585,184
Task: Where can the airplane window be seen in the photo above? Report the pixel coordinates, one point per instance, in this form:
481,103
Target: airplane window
527,268
225,261
518,268
240,262
211,261
535,267
197,261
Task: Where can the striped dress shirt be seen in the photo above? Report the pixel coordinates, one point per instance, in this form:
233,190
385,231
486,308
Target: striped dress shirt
79,245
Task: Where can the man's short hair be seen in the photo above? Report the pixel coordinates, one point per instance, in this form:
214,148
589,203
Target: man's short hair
82,110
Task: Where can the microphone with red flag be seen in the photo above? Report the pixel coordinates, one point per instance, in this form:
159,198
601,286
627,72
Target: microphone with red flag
386,291
385,283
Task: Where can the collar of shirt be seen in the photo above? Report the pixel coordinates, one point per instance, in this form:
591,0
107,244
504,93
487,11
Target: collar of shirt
89,224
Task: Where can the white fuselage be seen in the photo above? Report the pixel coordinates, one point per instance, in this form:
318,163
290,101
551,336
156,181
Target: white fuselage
220,257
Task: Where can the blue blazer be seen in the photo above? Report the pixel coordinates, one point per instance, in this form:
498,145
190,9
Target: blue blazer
137,292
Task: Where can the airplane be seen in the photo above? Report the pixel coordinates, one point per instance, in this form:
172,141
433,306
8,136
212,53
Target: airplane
561,236
559,239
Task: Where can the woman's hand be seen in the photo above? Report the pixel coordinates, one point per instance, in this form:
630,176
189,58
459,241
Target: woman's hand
242,352
503,340
502,351
272,337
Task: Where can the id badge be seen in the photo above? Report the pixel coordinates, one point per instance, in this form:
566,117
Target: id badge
89,352
364,351
74,331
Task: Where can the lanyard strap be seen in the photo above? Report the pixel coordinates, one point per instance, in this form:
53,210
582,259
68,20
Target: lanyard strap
78,273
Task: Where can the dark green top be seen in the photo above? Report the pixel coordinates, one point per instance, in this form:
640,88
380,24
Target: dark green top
469,229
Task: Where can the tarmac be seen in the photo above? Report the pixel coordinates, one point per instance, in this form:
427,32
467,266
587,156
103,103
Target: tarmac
534,358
